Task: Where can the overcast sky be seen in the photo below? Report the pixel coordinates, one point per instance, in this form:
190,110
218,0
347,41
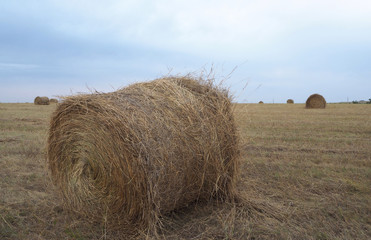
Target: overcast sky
282,48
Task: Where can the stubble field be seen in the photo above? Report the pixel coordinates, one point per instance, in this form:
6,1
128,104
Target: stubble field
305,174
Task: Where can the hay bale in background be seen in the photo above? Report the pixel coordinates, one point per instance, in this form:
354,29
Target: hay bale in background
261,102
145,150
53,100
41,101
290,101
315,101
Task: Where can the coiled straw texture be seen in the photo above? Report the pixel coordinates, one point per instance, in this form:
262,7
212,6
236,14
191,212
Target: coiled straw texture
133,155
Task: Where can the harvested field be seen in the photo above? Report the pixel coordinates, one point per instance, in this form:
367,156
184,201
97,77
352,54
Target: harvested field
304,175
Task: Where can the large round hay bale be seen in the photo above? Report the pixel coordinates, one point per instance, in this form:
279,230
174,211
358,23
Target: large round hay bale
261,102
290,101
315,101
41,101
145,150
53,100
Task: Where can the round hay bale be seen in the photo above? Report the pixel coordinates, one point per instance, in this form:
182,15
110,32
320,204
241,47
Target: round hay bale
133,155
315,101
290,101
53,100
261,102
41,101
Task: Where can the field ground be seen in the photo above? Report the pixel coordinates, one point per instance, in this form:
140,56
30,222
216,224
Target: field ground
305,174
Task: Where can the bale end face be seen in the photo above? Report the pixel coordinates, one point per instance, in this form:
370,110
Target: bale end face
315,101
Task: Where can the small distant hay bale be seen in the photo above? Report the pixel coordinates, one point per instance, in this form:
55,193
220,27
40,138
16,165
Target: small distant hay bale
41,101
53,100
315,101
136,154
261,102
290,101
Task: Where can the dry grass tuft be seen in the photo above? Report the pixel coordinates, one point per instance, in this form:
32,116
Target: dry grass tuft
131,156
315,101
290,101
41,101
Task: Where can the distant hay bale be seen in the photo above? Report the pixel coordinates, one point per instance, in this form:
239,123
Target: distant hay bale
290,101
144,150
261,102
41,101
53,100
315,101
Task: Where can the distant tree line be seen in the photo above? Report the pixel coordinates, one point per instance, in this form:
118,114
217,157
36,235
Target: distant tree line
362,101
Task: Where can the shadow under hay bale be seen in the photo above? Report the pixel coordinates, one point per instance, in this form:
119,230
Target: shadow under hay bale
315,101
290,101
136,154
41,101
53,100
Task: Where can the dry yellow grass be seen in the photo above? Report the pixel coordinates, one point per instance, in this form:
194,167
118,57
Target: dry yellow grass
305,175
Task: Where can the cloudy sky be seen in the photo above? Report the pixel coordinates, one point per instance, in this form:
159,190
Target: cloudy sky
266,50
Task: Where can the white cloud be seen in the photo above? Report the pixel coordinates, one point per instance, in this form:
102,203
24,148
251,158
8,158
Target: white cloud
282,40
16,66
224,29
